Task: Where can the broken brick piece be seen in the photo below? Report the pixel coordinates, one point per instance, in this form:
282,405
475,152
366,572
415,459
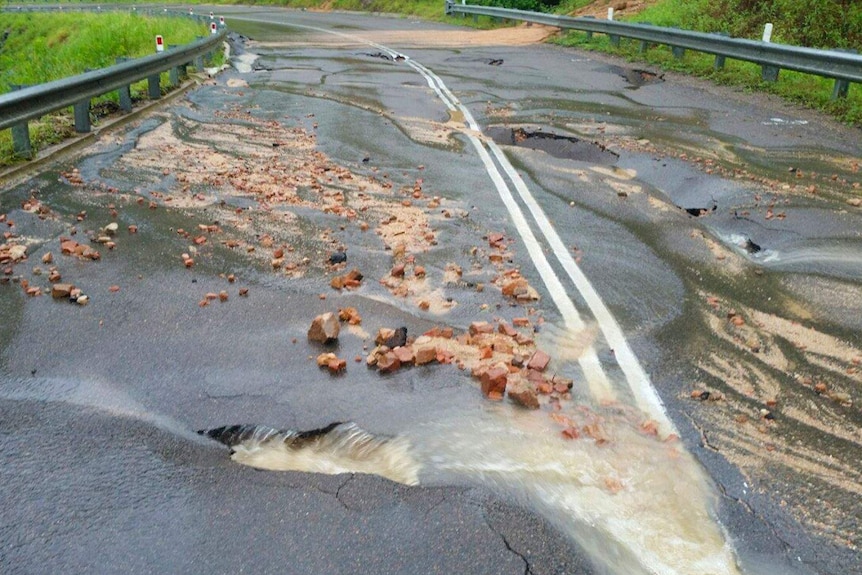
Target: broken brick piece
494,380
404,354
539,361
523,394
388,362
424,350
478,327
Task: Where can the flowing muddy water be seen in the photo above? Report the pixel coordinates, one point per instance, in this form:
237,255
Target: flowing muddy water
635,503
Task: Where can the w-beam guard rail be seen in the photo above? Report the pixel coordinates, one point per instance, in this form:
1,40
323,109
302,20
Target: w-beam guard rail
20,106
842,66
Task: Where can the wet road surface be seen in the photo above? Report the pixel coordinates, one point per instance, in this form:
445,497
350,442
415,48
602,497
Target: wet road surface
716,230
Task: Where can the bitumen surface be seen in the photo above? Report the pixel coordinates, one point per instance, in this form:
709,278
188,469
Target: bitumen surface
102,469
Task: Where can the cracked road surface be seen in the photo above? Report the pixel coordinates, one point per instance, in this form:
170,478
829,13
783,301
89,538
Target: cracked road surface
719,235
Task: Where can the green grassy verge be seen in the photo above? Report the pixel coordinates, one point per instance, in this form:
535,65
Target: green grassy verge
38,48
811,91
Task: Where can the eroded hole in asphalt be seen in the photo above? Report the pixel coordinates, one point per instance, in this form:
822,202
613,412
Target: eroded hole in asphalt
566,147
498,62
380,55
384,56
637,77
699,212
751,247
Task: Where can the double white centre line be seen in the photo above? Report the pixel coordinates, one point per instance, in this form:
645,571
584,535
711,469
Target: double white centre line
643,393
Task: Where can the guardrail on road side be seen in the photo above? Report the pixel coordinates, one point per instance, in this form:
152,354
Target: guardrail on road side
843,66
20,106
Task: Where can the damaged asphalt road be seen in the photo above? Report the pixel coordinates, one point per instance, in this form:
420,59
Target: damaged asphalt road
238,210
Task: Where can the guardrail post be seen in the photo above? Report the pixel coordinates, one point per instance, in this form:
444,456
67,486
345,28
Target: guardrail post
841,87
589,32
154,89
82,114
124,92
644,44
21,135
174,73
678,53
719,58
769,73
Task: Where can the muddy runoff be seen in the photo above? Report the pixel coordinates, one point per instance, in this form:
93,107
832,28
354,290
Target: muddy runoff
599,469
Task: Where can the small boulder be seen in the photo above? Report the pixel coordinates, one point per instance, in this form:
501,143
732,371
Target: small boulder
61,291
324,328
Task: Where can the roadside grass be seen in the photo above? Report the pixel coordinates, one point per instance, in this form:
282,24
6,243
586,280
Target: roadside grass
43,47
804,89
40,47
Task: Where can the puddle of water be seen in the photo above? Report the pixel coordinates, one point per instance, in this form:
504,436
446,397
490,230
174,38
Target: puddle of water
564,147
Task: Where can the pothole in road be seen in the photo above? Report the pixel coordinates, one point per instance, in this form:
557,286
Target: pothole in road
699,212
637,77
566,147
387,57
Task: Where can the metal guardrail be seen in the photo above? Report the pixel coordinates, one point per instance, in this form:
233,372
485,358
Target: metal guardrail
20,106
842,66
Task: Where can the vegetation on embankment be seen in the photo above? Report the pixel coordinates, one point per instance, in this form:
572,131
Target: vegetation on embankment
40,47
812,23
810,91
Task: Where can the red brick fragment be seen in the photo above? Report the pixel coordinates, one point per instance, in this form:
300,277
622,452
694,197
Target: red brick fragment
539,361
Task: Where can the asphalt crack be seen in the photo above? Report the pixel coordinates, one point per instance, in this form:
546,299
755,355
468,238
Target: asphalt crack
338,492
527,569
704,439
738,500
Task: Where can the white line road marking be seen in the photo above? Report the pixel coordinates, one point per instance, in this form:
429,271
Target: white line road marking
638,381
